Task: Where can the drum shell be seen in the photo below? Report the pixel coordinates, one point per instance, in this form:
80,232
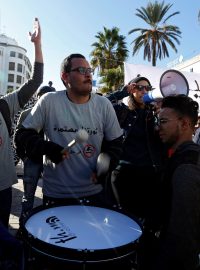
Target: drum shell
55,254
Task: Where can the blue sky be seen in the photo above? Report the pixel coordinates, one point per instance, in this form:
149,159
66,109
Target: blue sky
70,27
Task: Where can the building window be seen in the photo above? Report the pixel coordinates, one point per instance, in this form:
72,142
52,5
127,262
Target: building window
20,55
11,66
27,63
12,54
191,70
19,79
1,52
19,68
27,76
10,77
10,88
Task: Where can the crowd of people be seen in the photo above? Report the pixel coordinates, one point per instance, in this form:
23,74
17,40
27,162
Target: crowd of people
152,164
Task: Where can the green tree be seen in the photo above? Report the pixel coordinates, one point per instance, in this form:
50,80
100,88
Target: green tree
9,90
112,79
110,51
155,39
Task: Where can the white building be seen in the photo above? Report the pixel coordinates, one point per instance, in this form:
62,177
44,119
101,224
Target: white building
15,67
189,65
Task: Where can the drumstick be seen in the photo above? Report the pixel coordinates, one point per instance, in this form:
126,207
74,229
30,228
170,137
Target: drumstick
103,163
114,175
81,136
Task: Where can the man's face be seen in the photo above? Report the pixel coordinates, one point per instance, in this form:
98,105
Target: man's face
79,79
169,126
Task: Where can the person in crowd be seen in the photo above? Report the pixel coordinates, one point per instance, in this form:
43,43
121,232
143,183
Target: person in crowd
71,174
179,241
196,134
15,101
50,83
11,249
32,170
136,180
138,173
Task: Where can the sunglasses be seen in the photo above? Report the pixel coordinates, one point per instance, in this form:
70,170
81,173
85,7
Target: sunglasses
143,87
83,70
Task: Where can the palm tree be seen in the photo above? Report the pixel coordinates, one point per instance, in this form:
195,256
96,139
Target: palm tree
160,34
112,80
110,52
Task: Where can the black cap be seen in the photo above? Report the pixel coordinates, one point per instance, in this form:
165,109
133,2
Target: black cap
44,89
138,79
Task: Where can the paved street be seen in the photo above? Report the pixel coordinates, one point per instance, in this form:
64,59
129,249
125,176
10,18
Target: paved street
16,201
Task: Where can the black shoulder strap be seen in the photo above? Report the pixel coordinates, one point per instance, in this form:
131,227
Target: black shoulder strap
4,109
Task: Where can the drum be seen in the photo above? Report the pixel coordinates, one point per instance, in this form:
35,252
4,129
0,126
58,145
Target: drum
81,235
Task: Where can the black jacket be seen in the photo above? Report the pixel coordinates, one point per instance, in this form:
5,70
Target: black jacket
180,211
141,146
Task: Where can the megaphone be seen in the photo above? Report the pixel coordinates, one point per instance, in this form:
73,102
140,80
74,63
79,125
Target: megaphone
172,82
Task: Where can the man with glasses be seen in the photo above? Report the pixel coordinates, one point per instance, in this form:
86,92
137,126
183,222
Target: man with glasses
70,174
179,214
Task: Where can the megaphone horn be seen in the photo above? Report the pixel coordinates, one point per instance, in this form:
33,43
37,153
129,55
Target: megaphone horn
173,82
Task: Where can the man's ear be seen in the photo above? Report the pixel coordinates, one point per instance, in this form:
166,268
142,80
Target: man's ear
185,123
64,77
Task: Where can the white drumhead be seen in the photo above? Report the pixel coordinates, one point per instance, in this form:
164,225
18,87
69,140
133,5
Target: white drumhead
83,227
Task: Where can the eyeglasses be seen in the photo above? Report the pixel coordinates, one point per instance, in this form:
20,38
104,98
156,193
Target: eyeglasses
83,70
163,121
143,87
